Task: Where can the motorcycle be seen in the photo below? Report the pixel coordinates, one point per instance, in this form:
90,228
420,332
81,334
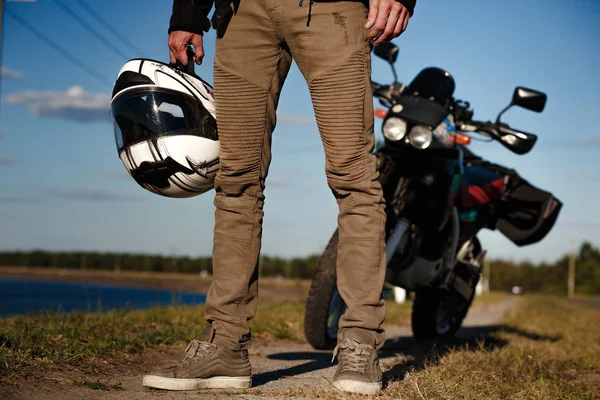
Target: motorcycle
438,195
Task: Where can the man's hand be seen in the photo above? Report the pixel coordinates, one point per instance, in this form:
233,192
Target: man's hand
178,41
388,18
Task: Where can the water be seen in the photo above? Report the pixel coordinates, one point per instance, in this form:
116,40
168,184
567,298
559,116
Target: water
24,297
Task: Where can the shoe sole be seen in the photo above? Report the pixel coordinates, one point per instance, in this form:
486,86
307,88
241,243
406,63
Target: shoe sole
351,386
217,382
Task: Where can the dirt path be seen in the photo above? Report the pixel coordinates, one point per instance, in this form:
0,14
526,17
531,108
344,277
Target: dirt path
281,369
594,302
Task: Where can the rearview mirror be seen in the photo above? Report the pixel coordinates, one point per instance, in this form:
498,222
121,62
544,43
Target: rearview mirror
529,99
388,51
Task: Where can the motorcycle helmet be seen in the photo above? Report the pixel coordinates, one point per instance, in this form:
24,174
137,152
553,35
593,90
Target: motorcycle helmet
165,127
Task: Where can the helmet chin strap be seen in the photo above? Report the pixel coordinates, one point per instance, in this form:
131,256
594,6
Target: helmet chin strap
157,173
201,167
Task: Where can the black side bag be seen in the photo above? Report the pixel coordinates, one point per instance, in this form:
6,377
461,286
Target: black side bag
525,214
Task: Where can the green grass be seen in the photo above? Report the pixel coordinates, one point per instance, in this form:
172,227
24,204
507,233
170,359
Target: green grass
548,348
76,337
72,338
398,314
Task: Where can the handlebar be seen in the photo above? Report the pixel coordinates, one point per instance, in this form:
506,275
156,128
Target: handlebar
517,141
383,92
387,93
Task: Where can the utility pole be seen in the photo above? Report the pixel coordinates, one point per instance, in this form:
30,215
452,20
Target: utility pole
571,281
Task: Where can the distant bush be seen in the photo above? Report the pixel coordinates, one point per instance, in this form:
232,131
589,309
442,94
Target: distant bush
549,278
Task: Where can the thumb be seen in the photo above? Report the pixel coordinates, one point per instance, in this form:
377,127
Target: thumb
197,42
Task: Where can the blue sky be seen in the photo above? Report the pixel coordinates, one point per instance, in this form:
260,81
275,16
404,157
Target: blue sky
62,186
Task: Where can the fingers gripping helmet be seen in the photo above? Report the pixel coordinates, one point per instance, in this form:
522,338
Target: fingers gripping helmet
165,127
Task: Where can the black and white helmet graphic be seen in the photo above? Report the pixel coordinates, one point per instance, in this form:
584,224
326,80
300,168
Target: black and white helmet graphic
165,127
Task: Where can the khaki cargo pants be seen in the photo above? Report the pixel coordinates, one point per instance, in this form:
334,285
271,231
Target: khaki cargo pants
252,61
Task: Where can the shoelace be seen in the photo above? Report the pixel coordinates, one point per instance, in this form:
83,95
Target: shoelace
356,358
196,349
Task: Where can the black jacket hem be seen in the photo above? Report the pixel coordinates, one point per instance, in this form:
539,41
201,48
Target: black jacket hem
192,15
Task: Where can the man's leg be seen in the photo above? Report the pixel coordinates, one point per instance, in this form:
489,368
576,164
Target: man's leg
333,54
250,67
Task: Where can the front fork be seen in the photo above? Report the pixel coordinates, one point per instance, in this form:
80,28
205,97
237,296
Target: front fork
395,239
423,274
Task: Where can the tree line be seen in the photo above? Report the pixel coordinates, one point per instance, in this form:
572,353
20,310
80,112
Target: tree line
504,274
268,266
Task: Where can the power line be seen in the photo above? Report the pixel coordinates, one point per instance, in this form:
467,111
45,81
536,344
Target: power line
106,25
91,30
1,29
58,48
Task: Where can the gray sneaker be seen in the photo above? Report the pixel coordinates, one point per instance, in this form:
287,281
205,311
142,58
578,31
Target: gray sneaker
358,368
205,366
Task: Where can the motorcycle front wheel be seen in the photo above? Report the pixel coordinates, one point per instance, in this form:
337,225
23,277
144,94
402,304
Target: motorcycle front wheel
324,305
437,314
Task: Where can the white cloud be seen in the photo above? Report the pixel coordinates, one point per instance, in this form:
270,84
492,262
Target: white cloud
17,199
118,175
74,104
7,160
88,195
591,140
10,73
78,105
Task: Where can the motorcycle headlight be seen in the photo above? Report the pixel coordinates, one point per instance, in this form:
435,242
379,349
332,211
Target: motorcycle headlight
394,129
420,136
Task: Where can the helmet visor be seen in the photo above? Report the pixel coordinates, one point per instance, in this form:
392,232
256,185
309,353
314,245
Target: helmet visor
143,114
